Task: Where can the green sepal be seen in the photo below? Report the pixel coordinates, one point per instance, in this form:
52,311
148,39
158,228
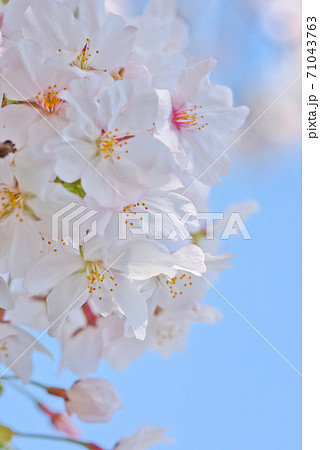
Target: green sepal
75,187
6,434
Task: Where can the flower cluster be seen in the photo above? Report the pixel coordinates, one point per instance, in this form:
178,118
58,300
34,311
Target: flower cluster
106,115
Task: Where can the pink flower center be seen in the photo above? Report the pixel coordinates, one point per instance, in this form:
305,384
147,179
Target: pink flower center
187,118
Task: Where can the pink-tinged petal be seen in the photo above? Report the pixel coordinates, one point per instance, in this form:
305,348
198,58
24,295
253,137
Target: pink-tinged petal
73,158
113,42
120,351
131,303
144,438
224,121
50,270
164,9
6,172
19,68
219,95
104,302
206,313
6,300
54,25
145,259
15,123
14,343
218,262
7,329
141,115
148,162
92,15
34,169
6,237
190,258
113,102
189,82
70,294
37,317
208,157
246,209
81,352
82,95
109,186
164,110
13,16
25,246
55,72
137,73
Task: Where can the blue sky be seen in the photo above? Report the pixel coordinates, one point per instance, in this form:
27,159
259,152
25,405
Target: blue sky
229,389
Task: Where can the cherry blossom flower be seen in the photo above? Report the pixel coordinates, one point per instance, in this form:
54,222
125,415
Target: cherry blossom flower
81,346
159,30
14,342
161,35
167,332
24,216
199,116
102,43
144,438
115,136
19,234
105,273
97,274
160,214
29,75
37,317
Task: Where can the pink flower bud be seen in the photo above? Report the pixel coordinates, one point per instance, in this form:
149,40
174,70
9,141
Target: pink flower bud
94,447
63,423
93,400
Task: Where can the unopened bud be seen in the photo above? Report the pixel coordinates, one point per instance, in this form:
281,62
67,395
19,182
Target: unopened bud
63,423
93,447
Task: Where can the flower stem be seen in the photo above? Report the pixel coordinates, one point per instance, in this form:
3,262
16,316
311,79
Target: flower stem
47,436
34,383
24,392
